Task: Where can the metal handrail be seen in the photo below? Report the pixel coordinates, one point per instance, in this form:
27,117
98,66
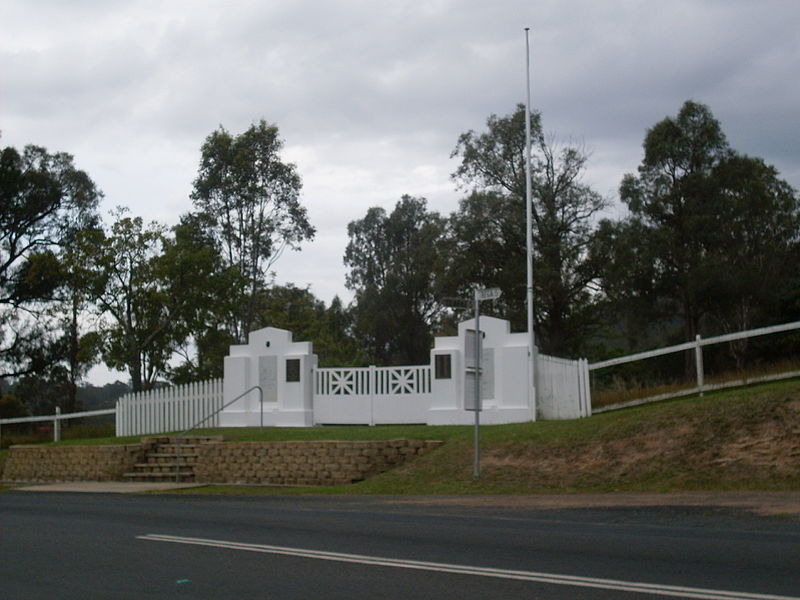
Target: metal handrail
178,456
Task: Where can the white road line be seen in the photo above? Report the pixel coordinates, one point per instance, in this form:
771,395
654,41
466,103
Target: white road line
591,582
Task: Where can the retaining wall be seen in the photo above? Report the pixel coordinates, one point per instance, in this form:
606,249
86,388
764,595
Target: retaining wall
303,463
287,463
70,463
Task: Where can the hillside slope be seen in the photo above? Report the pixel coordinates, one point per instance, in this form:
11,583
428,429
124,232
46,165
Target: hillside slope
738,440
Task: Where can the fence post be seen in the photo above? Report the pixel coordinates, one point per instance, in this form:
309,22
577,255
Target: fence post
585,389
57,425
698,360
373,382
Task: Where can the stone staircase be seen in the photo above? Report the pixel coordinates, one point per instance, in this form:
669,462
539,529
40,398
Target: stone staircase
169,458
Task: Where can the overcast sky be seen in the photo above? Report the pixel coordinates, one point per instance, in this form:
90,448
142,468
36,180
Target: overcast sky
370,96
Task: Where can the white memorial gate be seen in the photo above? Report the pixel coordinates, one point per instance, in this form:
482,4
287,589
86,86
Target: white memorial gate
296,393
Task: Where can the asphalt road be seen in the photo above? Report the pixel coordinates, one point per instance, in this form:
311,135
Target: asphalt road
105,546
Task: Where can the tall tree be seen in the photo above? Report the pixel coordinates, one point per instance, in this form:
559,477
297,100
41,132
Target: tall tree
563,207
717,228
394,263
488,246
674,197
635,313
43,198
195,273
759,239
140,315
80,344
251,198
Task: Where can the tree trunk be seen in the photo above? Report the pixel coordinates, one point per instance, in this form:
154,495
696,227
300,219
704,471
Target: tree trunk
74,368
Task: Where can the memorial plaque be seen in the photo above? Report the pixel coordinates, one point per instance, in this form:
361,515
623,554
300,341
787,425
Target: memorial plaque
292,370
443,366
268,377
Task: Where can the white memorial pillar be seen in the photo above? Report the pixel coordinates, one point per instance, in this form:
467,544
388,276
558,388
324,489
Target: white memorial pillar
283,369
503,375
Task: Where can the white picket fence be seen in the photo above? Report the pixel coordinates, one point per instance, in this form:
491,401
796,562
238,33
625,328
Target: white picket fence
364,395
372,395
169,409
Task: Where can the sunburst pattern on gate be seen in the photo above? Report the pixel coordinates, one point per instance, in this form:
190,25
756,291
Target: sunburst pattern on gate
399,380
390,381
342,383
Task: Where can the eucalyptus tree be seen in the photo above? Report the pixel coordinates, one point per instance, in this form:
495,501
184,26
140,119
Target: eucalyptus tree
717,228
44,199
196,275
330,328
710,214
139,314
251,201
563,209
395,261
758,242
675,199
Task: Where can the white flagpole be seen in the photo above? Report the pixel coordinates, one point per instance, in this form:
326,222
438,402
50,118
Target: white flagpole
529,235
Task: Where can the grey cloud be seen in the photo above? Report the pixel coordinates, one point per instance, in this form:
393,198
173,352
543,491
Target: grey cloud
371,96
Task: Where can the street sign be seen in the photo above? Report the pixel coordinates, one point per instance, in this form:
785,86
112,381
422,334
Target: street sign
456,302
489,293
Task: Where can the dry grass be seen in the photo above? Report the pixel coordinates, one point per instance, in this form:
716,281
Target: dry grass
740,440
622,389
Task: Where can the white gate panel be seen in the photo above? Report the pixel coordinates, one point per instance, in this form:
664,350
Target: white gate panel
372,395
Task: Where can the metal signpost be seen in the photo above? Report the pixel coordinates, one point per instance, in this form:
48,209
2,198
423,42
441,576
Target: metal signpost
479,296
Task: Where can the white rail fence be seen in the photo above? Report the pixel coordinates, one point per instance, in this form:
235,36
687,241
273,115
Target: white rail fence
697,345
56,419
372,395
169,409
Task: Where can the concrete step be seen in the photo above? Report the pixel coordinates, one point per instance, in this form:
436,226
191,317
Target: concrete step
182,477
157,456
163,467
176,449
195,439
170,458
